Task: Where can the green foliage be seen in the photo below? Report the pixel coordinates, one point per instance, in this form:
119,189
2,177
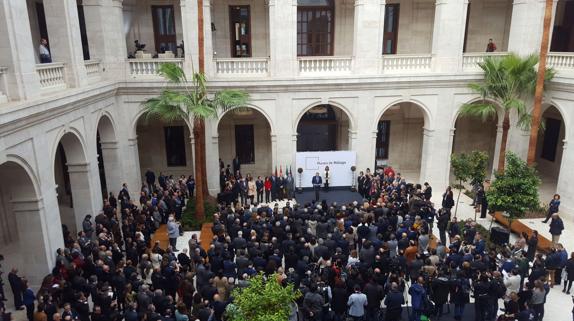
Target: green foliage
192,102
516,189
188,217
263,300
508,81
470,167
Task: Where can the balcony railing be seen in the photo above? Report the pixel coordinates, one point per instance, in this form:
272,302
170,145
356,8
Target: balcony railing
93,69
3,85
244,67
561,61
470,60
325,65
52,76
406,63
146,68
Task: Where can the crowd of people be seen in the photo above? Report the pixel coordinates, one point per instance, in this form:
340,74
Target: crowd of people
370,260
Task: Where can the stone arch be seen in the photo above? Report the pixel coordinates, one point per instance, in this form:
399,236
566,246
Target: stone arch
251,106
426,112
337,122
400,135
499,110
473,133
22,221
109,167
253,128
71,176
333,103
135,121
550,148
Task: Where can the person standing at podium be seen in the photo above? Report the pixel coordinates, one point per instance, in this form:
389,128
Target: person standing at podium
317,181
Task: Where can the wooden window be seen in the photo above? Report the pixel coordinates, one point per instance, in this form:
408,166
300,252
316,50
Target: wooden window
245,144
383,135
240,28
391,29
164,28
551,136
315,27
175,146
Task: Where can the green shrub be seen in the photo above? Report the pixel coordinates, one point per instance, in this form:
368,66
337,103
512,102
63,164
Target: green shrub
263,300
188,219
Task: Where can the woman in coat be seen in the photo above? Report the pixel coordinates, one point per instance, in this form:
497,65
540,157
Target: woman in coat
553,207
556,227
569,274
447,199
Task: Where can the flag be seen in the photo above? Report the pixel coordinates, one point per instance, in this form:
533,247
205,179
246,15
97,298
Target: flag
280,170
276,170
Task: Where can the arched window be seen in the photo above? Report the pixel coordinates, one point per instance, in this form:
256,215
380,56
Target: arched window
315,27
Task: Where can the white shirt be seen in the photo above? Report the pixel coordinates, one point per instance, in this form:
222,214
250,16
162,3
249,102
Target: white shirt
44,51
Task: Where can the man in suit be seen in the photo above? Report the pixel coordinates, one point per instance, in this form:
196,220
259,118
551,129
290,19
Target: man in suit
236,164
317,181
16,285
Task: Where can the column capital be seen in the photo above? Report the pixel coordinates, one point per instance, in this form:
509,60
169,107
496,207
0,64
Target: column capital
78,167
20,205
109,144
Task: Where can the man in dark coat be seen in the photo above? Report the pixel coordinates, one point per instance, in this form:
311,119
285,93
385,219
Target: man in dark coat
17,288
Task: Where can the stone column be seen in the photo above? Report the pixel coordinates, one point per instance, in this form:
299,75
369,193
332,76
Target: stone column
81,195
105,30
189,26
565,176
435,157
112,166
368,35
65,39
213,165
131,168
448,35
526,26
17,51
35,249
274,152
283,40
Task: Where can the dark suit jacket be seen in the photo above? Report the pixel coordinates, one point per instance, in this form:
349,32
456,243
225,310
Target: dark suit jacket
317,180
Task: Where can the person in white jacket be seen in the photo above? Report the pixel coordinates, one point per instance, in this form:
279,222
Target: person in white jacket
511,281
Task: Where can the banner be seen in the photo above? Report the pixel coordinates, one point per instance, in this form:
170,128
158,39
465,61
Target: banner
339,163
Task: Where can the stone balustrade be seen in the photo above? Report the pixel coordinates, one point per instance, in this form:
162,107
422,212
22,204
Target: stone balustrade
93,69
470,60
561,61
406,63
146,68
325,65
52,76
241,67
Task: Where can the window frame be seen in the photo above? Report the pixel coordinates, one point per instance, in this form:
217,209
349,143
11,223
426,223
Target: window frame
331,29
159,38
169,143
248,38
394,35
379,144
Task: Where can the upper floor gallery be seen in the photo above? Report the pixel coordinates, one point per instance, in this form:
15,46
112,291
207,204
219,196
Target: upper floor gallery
90,41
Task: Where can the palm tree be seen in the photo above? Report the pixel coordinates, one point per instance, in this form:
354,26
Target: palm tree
508,81
192,103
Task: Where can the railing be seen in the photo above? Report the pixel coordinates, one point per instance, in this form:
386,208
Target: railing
325,65
93,69
561,61
52,76
149,67
241,66
471,60
406,63
3,85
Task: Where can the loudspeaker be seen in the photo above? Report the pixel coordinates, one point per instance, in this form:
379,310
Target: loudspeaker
499,236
